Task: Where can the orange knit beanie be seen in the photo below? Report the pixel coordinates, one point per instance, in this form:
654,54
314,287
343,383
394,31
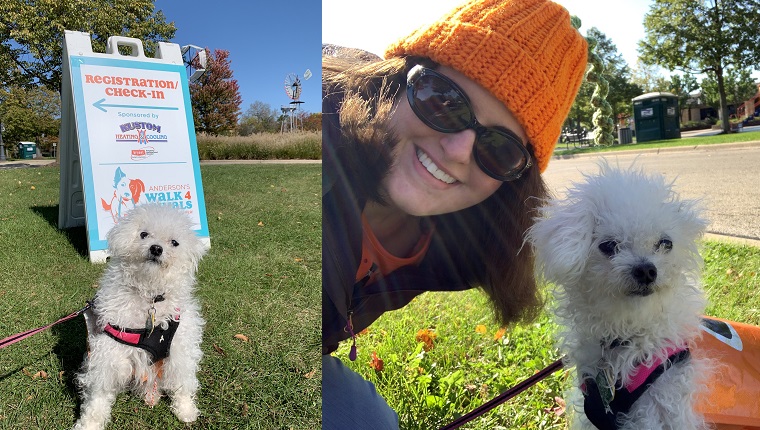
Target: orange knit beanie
525,52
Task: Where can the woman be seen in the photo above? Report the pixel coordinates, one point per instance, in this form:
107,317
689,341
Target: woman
431,173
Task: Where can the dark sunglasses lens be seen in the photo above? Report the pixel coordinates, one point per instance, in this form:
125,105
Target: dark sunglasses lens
500,155
440,104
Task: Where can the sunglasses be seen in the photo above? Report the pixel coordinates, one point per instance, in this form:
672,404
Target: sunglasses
443,106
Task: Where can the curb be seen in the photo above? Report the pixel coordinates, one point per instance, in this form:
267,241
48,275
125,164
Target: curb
735,240
713,147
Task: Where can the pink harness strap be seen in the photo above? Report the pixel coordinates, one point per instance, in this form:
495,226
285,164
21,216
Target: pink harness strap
132,338
642,372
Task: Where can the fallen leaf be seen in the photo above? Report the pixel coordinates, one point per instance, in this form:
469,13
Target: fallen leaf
376,362
41,374
499,333
33,187
298,260
310,374
245,409
260,224
219,350
242,337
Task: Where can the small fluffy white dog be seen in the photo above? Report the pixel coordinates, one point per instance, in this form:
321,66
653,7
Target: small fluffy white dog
145,326
622,248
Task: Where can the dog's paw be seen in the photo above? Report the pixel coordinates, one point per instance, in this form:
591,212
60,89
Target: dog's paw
81,425
185,410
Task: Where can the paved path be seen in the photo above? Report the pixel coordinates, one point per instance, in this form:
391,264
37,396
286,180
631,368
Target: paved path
47,162
726,177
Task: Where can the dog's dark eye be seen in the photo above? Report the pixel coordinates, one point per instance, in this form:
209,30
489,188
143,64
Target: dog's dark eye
143,235
175,243
608,248
664,245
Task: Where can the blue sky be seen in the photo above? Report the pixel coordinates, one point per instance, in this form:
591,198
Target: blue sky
267,41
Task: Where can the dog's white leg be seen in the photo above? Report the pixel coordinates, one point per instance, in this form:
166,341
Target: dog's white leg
106,373
179,378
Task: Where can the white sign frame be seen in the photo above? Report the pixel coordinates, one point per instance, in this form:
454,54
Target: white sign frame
109,161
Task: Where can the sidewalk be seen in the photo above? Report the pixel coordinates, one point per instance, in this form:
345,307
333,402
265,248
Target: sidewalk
40,162
558,155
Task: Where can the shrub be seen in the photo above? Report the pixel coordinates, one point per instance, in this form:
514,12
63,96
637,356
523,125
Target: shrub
263,146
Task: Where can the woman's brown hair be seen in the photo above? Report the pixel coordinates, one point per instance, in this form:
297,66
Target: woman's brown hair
483,243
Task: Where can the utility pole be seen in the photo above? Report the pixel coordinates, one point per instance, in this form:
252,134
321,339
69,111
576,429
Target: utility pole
2,148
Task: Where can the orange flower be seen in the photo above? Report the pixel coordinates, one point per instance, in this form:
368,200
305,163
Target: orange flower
376,363
480,328
500,333
427,337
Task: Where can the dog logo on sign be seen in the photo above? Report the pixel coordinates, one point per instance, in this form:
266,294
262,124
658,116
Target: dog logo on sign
126,195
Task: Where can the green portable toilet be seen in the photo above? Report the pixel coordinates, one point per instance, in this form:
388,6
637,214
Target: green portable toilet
656,117
27,150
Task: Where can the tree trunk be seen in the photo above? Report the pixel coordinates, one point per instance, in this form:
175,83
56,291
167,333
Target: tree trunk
725,124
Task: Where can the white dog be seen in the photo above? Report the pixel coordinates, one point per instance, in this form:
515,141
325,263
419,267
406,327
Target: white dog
622,247
145,327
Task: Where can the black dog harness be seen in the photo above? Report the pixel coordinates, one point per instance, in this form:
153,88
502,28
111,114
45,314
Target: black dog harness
603,402
156,343
155,340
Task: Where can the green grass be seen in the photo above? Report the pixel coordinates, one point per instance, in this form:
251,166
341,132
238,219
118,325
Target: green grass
469,365
262,281
668,143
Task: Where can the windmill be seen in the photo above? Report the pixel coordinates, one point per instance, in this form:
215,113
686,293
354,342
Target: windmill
194,58
293,90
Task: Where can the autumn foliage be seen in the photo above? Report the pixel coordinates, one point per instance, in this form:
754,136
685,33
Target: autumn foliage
215,97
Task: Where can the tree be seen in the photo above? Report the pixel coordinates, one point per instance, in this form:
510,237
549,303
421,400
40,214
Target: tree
312,121
739,87
602,118
215,97
259,118
682,86
31,33
649,78
703,37
618,75
30,113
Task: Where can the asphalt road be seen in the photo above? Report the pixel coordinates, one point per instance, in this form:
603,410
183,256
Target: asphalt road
726,178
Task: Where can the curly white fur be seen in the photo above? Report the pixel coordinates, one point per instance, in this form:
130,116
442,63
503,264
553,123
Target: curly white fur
134,276
602,246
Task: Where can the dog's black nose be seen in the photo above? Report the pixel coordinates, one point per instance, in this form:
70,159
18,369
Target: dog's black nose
156,250
645,273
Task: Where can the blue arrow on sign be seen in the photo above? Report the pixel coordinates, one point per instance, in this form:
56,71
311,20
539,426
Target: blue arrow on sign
100,105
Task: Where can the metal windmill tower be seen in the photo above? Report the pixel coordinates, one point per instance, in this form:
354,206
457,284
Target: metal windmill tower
293,89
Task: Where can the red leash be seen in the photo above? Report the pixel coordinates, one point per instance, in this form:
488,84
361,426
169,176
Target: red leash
21,336
503,397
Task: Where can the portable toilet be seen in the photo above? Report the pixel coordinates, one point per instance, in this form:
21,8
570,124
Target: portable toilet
656,116
27,150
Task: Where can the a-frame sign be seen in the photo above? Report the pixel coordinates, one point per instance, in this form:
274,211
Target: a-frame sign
127,136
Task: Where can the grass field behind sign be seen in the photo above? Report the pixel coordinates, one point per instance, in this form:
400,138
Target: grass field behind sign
261,279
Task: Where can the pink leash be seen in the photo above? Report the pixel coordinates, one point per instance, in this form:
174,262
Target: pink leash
21,336
503,397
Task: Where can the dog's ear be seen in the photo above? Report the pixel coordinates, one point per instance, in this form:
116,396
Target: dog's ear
561,239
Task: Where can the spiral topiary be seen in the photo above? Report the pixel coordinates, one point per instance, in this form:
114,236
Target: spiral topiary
602,119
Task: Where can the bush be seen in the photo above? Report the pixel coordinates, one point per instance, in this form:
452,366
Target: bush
698,125
263,146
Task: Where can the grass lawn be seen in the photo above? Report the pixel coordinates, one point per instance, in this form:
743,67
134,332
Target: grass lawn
261,279
443,355
669,143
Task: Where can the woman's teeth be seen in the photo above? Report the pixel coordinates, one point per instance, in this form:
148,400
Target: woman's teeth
433,169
